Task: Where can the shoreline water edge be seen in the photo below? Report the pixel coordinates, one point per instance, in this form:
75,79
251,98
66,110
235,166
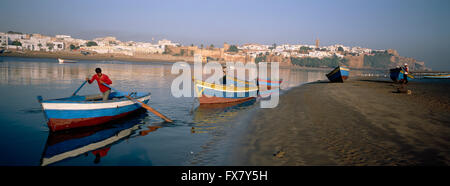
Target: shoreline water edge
359,122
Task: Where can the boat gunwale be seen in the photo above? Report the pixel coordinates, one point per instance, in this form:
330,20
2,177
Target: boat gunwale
58,100
222,88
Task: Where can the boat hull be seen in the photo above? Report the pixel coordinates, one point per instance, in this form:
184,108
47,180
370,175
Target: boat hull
56,124
270,83
437,77
221,100
396,75
339,74
217,94
69,115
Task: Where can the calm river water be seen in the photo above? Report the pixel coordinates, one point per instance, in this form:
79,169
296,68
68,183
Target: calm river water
198,136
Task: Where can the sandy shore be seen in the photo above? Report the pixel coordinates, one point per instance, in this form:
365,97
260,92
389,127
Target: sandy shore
359,122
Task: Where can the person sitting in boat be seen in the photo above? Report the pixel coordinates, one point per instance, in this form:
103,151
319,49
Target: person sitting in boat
101,78
405,75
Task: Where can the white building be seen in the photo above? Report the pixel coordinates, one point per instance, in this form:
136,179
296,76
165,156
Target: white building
15,37
62,36
319,54
36,42
166,42
3,39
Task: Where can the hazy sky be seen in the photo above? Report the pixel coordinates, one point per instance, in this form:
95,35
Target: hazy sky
419,29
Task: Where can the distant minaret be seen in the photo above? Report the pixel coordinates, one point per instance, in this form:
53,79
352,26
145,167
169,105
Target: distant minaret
317,43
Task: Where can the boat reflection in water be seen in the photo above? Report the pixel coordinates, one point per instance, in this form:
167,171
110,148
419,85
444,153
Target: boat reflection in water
207,116
98,140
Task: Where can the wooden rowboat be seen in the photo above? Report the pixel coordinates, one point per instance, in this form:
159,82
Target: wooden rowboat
217,94
339,74
83,111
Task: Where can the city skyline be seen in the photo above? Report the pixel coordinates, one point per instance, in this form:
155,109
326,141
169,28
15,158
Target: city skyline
416,29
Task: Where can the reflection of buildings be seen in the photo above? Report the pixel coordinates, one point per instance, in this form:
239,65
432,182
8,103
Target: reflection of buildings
46,72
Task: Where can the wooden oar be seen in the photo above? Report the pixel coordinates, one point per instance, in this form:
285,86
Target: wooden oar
76,91
143,105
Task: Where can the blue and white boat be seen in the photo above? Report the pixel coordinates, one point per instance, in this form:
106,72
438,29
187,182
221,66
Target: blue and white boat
83,111
210,93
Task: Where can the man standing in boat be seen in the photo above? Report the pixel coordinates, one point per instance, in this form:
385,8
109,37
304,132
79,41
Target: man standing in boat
101,78
224,77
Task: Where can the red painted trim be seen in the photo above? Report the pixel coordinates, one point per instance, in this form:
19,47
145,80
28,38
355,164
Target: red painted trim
64,124
270,81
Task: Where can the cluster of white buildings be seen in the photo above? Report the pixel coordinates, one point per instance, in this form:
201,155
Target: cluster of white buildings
111,45
107,45
287,50
103,45
36,42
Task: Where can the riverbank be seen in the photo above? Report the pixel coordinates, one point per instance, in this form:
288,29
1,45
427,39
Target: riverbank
72,55
359,122
99,57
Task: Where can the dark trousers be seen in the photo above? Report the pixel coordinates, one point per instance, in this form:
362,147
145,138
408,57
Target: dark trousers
405,78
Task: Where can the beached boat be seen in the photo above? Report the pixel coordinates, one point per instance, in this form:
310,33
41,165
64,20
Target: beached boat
217,94
83,111
396,74
339,74
441,76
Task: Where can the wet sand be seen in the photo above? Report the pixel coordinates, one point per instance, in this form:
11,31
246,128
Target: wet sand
359,122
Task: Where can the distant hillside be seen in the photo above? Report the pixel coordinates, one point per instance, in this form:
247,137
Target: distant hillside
316,62
384,60
376,60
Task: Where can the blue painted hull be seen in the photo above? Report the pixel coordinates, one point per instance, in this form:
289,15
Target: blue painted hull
397,74
339,74
73,112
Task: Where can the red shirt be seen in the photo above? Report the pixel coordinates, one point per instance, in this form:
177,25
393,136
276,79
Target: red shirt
102,152
104,78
